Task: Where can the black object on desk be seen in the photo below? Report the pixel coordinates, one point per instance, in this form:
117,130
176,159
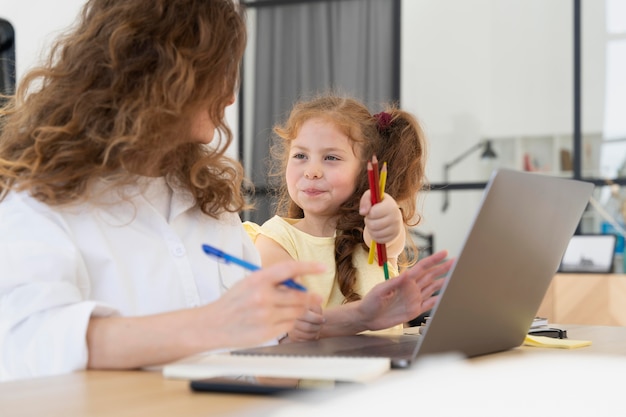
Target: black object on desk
245,384
549,332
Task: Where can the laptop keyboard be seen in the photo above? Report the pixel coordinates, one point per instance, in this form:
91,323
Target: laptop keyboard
394,348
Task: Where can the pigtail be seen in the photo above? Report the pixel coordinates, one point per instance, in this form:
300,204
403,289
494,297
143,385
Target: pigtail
349,239
403,147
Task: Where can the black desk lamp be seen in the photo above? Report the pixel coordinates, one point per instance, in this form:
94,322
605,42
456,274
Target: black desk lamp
488,154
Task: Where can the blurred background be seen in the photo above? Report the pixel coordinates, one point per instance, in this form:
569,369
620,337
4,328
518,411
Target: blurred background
530,85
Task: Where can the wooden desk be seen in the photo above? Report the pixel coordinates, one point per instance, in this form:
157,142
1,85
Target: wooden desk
594,299
119,394
137,393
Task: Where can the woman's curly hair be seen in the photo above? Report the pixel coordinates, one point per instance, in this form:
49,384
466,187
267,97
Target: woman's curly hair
116,98
394,137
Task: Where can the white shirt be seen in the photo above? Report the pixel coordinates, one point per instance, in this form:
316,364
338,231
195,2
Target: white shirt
60,266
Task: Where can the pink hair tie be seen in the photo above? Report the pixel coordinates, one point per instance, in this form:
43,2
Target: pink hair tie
383,121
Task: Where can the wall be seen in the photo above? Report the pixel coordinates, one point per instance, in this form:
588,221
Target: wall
490,69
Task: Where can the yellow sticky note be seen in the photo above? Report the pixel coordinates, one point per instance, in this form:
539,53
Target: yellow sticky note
551,342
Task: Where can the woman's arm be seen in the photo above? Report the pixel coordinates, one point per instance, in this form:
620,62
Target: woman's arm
253,311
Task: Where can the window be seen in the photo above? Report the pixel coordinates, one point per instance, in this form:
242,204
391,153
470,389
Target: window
613,154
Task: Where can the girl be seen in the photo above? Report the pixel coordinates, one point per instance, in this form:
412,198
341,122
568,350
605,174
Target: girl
324,210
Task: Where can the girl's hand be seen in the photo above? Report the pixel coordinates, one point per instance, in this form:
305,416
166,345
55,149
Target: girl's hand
407,296
383,223
308,326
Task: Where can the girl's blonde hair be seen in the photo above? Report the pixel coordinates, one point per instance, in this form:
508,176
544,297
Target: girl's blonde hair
115,97
394,136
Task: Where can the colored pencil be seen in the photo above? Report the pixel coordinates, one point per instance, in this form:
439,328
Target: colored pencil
381,249
370,177
377,191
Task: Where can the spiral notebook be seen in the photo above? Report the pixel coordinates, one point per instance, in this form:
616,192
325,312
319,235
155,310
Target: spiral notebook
494,289
353,369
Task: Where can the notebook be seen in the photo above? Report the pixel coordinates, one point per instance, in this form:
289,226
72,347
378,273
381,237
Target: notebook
497,283
319,368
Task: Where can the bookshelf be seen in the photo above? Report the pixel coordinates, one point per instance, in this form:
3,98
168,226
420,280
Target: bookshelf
548,154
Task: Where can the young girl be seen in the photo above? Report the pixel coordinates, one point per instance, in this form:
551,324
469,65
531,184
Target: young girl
108,191
324,210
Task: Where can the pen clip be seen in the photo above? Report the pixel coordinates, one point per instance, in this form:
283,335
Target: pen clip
210,250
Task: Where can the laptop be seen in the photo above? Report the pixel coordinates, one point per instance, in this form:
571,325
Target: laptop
497,283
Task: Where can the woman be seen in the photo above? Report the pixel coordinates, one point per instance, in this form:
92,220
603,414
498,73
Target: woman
108,190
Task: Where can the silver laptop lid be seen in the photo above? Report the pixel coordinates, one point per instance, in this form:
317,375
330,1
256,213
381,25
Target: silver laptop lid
507,261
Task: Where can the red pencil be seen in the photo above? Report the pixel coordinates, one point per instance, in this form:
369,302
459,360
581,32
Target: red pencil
370,178
375,189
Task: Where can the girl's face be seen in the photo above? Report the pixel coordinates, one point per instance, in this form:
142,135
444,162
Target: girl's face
322,168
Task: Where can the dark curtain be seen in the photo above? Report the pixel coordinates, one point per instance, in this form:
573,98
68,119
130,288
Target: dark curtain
7,58
351,46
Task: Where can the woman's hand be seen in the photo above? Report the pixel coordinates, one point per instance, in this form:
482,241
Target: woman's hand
259,308
255,310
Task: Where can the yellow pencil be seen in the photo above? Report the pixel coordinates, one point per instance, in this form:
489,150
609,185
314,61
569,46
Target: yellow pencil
370,258
383,180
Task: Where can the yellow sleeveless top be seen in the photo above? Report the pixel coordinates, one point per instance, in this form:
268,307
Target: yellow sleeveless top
305,247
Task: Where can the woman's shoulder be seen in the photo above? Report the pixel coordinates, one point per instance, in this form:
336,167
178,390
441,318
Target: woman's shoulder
23,216
22,203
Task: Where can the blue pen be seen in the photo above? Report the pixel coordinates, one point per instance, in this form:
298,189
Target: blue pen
226,258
